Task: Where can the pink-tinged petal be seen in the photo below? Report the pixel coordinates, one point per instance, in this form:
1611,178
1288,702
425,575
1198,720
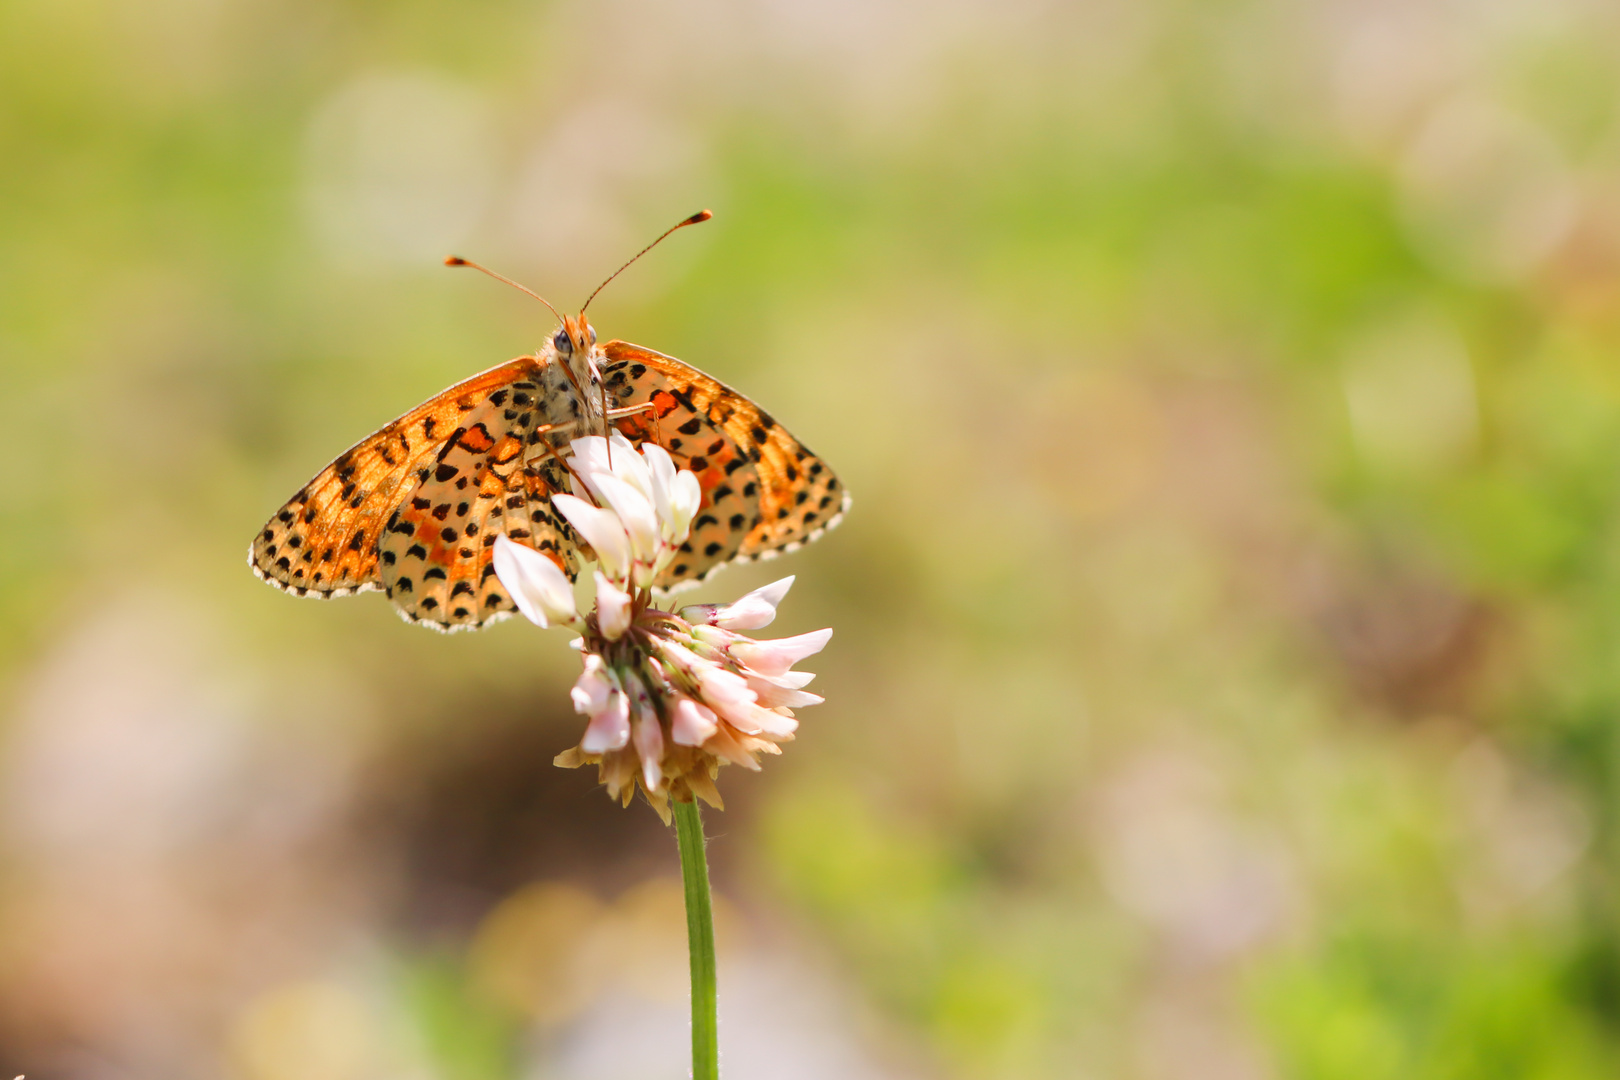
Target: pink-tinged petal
650,745
770,695
777,656
788,680
540,590
612,608
755,744
691,723
734,701
724,746
602,530
648,736
590,693
609,729
755,610
728,695
751,612
769,722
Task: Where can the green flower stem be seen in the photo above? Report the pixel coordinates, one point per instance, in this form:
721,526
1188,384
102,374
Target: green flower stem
699,940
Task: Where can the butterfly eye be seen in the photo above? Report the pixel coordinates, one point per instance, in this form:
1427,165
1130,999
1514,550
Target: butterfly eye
564,343
593,335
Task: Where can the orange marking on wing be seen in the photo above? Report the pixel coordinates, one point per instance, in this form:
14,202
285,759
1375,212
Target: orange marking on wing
664,403
634,427
477,439
708,480
507,449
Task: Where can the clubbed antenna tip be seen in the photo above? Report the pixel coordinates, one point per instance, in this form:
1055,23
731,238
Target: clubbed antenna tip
457,260
700,216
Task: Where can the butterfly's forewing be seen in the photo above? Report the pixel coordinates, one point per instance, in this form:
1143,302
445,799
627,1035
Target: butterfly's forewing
414,508
764,493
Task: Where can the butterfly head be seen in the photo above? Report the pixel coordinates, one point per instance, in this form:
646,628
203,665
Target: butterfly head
575,337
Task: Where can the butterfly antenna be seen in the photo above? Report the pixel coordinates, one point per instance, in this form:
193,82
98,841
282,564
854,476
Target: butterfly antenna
701,215
456,260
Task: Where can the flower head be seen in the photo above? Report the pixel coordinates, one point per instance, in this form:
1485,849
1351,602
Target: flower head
668,697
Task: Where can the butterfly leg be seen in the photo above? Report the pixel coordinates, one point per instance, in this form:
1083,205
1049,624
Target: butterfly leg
645,406
545,444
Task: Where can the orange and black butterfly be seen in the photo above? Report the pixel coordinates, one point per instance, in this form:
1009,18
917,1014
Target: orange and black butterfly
414,509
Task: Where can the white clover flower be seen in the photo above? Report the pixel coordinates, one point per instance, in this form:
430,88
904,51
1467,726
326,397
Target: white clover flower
669,697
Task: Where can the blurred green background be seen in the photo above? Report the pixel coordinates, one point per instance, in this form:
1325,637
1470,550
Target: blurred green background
1227,655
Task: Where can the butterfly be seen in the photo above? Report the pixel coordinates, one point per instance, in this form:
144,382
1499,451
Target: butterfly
414,509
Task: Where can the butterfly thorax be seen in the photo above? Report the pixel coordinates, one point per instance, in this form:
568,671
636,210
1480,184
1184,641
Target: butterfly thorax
571,401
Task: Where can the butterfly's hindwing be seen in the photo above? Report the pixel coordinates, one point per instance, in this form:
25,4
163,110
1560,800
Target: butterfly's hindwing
763,491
